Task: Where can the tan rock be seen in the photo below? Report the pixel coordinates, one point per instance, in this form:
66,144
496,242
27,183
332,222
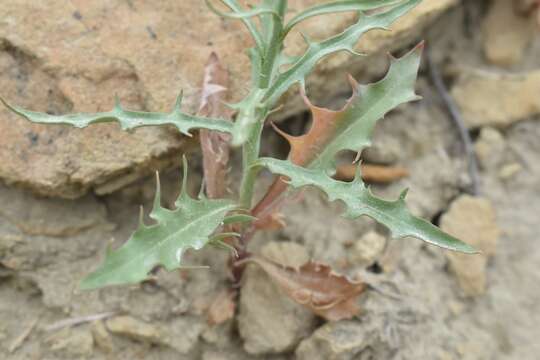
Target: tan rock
51,217
73,342
472,220
180,334
342,340
508,171
489,99
102,338
135,329
367,249
83,52
490,147
506,34
268,321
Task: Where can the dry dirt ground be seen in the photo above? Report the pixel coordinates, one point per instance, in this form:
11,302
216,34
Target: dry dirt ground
430,304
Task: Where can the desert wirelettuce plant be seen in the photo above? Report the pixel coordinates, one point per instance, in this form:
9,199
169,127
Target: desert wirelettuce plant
216,218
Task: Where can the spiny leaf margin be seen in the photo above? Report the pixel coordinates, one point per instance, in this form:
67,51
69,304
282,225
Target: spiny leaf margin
344,41
350,128
337,7
361,201
189,226
353,126
128,119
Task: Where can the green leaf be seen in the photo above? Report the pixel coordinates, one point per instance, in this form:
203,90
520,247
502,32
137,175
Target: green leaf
129,119
336,7
272,25
341,42
189,226
360,201
351,128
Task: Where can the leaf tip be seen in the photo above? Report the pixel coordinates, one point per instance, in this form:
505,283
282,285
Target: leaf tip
178,102
184,192
141,217
11,107
157,197
403,194
467,249
354,84
3,101
288,137
306,38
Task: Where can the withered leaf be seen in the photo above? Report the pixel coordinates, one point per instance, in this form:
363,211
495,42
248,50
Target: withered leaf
371,173
274,221
222,308
215,145
316,286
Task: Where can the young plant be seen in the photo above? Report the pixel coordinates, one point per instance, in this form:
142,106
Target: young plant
213,219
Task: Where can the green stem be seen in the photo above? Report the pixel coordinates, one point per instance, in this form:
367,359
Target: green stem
250,154
254,113
273,26
251,116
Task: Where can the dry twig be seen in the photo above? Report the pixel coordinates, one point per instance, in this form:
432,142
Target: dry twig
19,340
457,119
78,320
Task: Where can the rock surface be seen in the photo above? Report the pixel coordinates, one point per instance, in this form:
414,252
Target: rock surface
490,147
102,337
367,249
493,99
84,52
506,34
474,221
268,321
76,343
420,313
343,340
135,329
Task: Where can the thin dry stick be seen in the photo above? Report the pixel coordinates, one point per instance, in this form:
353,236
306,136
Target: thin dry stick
457,119
78,320
19,340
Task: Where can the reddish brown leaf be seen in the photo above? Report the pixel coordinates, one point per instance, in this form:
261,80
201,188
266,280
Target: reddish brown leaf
222,308
274,221
304,148
215,145
371,173
316,286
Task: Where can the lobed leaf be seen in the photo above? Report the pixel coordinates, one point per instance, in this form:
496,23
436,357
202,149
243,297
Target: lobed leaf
350,128
336,7
129,119
189,226
272,27
360,201
341,42
317,287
